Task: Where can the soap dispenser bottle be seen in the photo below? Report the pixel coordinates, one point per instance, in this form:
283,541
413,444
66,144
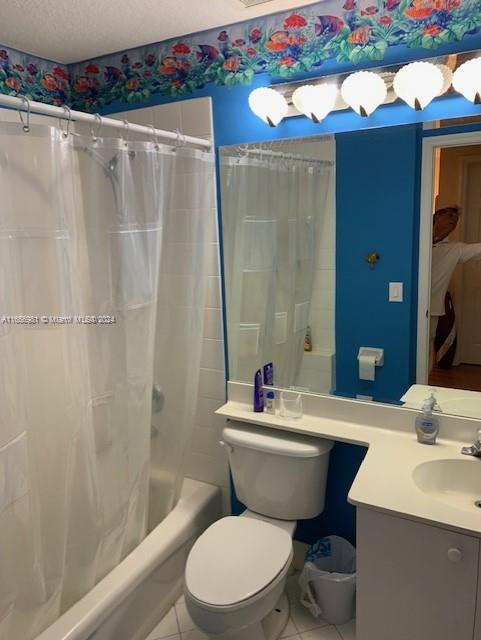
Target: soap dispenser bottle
427,425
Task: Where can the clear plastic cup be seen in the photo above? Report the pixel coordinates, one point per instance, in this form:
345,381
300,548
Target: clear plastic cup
290,405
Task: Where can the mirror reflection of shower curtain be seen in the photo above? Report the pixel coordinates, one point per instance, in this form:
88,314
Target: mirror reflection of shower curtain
80,237
271,210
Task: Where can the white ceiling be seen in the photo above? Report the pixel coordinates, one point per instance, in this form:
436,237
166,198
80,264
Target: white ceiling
74,30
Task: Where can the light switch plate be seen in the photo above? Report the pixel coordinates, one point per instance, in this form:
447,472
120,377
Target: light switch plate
396,293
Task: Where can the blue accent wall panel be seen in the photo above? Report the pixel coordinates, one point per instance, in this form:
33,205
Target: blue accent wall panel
377,209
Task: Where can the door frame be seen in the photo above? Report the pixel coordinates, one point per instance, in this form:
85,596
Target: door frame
430,144
468,161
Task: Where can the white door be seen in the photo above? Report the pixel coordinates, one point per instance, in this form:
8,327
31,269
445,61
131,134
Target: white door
470,328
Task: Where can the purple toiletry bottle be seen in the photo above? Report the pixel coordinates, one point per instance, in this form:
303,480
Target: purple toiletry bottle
258,392
269,374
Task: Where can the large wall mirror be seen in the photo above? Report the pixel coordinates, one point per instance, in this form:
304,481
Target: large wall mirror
330,246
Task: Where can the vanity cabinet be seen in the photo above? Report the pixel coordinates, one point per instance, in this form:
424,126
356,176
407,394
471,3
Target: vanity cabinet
414,581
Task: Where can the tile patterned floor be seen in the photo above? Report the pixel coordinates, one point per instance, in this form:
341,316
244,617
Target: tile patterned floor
177,624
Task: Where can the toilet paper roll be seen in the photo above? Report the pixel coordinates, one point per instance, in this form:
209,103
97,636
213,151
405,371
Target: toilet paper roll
367,367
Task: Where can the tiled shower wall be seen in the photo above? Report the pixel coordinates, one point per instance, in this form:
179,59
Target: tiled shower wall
206,459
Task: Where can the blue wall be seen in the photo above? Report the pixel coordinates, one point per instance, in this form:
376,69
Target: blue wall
377,209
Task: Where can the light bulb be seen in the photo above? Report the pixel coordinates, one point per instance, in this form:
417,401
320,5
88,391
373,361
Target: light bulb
268,105
364,91
315,101
467,80
447,78
418,84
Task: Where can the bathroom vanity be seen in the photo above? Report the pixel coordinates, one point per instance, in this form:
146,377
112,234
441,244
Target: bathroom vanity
418,526
415,581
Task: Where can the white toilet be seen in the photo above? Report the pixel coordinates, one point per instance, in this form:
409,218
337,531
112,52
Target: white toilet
236,571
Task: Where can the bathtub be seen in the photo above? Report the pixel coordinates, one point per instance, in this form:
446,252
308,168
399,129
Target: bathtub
131,599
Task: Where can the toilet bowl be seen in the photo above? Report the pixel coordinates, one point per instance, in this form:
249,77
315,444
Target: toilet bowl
235,577
236,570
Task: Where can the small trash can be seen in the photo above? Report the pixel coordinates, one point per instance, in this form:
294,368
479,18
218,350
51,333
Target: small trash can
328,580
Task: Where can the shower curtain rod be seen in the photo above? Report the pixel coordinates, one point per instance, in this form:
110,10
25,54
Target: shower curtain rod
21,103
288,156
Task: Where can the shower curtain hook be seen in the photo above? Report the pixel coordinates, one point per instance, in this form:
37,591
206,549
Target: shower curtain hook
68,110
126,127
155,140
95,135
181,139
177,140
241,152
25,125
152,132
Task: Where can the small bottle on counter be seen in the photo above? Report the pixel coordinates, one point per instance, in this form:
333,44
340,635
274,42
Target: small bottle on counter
427,425
270,402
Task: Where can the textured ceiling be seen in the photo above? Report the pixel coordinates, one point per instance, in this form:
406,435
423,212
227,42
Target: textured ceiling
74,30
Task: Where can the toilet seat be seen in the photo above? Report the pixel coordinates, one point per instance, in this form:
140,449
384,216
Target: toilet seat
234,561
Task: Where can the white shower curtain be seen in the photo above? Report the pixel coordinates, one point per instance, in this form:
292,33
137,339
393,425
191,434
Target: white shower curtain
189,230
271,208
80,248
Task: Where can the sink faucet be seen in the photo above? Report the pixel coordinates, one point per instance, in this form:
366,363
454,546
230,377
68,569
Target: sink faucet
474,449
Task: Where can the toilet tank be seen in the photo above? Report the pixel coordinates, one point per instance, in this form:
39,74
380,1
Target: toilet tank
278,474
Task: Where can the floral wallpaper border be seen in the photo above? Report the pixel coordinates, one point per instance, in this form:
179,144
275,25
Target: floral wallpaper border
35,78
284,44
281,45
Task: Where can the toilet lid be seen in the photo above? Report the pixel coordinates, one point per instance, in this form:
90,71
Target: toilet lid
236,558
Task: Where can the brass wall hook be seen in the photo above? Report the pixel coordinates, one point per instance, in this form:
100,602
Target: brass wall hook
372,259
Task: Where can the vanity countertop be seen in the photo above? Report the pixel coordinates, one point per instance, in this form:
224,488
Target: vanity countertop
386,478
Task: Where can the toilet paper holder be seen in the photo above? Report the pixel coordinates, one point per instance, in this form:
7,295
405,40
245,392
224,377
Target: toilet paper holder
370,353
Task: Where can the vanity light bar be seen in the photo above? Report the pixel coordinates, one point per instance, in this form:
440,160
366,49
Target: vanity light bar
417,84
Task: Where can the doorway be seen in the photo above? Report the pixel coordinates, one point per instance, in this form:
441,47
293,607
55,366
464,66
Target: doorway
449,345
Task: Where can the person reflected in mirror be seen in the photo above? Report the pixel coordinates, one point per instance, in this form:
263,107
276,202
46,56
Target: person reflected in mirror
446,255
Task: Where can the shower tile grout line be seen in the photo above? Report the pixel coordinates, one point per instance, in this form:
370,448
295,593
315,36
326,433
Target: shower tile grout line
174,606
298,634
177,620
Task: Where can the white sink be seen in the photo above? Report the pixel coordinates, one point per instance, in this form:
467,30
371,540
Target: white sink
454,482
453,401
